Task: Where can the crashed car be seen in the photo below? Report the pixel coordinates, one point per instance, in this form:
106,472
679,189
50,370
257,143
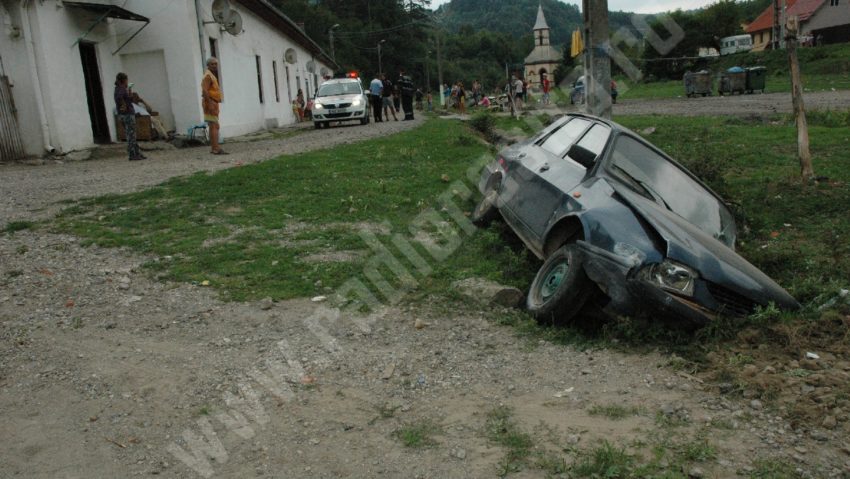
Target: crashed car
610,213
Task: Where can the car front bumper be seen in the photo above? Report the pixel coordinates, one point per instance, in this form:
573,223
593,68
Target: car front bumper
630,296
341,114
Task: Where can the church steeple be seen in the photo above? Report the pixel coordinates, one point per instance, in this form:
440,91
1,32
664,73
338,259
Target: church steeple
541,28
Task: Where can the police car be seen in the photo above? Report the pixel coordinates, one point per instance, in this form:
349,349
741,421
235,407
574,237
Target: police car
340,99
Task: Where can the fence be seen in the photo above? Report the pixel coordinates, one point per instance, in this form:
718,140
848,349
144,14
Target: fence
11,146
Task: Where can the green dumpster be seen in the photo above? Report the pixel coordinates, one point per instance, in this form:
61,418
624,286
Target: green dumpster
755,79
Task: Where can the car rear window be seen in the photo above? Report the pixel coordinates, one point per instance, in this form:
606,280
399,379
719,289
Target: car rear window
561,139
594,140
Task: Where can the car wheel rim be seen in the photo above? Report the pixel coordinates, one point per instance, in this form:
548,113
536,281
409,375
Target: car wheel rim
553,280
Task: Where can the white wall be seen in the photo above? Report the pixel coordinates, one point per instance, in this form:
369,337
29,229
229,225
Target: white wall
17,67
164,61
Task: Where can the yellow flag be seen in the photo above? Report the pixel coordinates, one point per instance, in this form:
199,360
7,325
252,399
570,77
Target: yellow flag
577,46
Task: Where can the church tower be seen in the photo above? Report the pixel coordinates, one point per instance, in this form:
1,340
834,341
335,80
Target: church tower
544,59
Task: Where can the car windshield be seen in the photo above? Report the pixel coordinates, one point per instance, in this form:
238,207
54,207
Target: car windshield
335,89
660,180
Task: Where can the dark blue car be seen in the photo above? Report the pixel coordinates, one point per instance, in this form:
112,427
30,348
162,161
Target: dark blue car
609,212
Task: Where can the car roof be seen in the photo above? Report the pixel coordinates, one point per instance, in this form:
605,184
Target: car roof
341,80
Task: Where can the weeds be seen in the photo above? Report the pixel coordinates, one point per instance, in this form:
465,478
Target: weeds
502,430
614,411
15,226
605,461
418,435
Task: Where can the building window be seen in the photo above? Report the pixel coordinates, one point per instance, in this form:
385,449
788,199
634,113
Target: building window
288,85
260,77
276,89
834,3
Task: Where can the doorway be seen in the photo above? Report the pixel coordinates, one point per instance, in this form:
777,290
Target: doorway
94,93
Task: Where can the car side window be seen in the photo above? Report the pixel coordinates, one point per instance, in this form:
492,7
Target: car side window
595,139
559,141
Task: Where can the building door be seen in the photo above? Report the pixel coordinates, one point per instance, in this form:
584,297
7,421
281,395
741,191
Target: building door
94,93
11,147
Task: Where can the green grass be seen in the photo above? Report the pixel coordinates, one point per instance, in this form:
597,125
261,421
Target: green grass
773,84
245,230
502,430
605,461
418,435
15,226
613,411
774,469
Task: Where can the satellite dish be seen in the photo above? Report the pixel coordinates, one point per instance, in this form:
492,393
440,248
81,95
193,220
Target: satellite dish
221,11
311,66
291,56
233,25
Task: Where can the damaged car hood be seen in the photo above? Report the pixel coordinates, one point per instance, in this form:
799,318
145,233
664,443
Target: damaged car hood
715,262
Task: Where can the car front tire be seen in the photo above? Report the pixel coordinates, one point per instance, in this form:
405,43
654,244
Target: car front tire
560,288
485,212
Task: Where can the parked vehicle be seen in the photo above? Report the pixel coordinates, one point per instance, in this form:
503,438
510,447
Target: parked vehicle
341,99
615,218
577,96
735,44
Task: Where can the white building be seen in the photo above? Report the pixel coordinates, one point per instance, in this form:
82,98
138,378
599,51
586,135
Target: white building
61,57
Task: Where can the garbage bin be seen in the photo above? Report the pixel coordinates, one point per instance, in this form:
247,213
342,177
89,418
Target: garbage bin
756,78
733,80
698,83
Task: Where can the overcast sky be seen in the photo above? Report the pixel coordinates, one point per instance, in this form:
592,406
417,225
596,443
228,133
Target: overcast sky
644,6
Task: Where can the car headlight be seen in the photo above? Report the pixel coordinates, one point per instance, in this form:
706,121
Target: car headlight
356,102
318,106
671,276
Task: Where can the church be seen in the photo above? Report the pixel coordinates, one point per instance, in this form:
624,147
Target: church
545,58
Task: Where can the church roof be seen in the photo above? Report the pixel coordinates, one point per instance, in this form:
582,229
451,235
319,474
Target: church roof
543,54
541,20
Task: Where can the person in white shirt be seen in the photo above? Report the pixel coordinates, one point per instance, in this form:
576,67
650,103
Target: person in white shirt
518,96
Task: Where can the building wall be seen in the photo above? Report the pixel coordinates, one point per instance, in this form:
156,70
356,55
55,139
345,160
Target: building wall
17,66
829,15
164,61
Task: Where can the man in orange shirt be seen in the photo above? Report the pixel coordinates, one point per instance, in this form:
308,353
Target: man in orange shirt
210,98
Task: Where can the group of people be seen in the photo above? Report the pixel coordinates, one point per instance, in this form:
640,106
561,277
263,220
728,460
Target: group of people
396,98
128,104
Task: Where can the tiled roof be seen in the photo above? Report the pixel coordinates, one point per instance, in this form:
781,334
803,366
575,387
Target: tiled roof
801,8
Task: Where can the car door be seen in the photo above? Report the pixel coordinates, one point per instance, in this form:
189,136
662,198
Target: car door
552,175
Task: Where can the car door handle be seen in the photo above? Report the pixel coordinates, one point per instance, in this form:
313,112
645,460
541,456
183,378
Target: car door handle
545,167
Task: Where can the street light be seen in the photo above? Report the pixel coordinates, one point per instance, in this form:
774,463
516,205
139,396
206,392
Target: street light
380,66
331,33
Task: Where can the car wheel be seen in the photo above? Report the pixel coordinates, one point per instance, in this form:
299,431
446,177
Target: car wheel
317,125
560,288
486,211
326,124
364,120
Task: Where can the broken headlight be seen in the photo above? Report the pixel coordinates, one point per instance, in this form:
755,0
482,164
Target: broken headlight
671,276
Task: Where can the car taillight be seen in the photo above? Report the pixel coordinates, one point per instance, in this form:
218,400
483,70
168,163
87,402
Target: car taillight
503,163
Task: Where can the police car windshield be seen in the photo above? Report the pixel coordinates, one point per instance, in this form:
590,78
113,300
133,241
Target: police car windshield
335,89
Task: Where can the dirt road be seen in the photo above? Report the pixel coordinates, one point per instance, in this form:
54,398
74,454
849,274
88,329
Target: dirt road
741,105
105,372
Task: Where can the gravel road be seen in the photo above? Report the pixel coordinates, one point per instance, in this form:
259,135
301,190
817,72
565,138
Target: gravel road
756,104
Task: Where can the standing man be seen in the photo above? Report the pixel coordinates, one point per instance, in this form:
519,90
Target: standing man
546,87
518,88
388,98
407,91
211,96
376,89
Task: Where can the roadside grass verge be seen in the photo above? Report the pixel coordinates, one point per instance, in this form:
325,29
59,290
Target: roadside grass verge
15,226
277,229
774,83
418,435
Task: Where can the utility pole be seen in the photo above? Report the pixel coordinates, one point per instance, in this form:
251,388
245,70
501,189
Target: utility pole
440,69
331,33
598,80
803,153
427,70
380,65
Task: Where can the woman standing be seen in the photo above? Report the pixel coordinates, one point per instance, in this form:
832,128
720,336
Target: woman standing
127,115
461,98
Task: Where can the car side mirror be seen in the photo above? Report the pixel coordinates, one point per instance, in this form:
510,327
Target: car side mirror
582,156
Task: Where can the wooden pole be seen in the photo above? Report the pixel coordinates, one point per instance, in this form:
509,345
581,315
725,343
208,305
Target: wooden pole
598,83
803,152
